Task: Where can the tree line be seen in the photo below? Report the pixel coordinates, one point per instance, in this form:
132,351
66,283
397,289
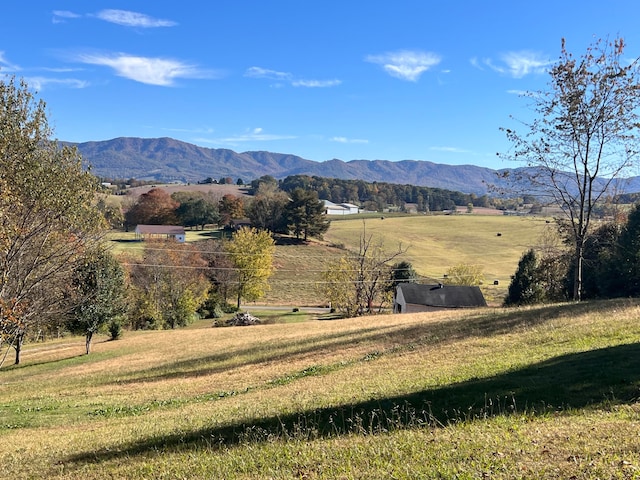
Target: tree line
377,196
610,269
299,212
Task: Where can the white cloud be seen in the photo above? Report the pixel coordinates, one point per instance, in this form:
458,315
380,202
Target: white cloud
516,64
251,135
200,131
259,72
152,71
133,19
405,64
450,150
316,83
6,66
523,63
39,83
59,16
348,140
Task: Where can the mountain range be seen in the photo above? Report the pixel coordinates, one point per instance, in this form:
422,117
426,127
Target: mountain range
170,160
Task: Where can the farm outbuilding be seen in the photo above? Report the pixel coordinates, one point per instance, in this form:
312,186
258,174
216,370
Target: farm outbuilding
168,232
414,297
331,208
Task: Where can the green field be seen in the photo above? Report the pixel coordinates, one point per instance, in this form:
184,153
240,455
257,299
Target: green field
545,392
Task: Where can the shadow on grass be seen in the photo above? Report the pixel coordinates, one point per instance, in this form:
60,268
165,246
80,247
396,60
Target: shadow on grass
268,352
73,359
596,378
485,324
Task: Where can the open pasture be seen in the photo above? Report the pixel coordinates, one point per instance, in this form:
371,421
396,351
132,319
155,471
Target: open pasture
545,392
435,243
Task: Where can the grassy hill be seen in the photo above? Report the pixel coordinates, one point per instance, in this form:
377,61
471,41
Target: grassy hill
546,392
435,243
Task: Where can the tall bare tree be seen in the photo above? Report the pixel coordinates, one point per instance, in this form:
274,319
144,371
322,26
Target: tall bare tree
584,136
48,216
359,283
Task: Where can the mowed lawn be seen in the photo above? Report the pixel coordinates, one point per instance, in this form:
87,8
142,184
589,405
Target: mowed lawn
544,392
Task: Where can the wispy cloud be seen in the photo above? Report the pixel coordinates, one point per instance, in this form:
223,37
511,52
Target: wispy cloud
251,135
287,77
316,83
133,19
516,64
152,71
40,83
259,72
60,16
450,150
405,64
126,18
199,131
6,66
524,63
348,140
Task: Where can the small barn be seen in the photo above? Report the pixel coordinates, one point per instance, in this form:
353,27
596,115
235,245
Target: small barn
414,297
160,232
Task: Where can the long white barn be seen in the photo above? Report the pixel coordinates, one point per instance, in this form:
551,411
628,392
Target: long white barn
331,208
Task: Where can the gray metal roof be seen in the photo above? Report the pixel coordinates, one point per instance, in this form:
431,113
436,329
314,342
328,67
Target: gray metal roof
447,296
160,229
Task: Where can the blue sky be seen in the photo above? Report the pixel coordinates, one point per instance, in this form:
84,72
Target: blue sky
390,80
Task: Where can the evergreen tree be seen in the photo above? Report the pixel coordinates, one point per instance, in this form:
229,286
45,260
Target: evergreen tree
403,272
305,214
525,287
625,275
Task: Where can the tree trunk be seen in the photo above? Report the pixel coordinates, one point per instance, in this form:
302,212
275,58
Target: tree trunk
577,274
87,341
18,347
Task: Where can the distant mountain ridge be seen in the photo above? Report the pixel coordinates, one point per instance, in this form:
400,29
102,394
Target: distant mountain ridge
169,160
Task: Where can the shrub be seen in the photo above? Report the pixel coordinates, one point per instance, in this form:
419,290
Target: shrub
115,329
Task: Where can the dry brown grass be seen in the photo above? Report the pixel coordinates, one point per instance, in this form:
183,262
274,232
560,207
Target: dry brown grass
435,243
157,404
